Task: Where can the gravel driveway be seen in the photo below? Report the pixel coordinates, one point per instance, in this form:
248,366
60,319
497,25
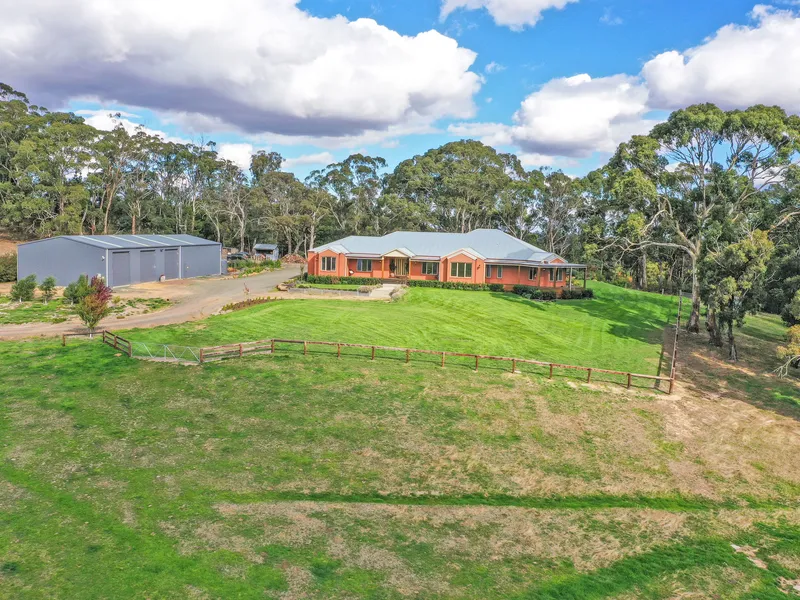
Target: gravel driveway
193,299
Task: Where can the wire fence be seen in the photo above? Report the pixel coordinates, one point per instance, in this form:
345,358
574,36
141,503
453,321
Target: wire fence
165,352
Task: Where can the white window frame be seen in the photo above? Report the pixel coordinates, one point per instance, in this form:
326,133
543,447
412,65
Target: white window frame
455,267
328,261
499,270
360,263
488,271
430,268
533,273
559,274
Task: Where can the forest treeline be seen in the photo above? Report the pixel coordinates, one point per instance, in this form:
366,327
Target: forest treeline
708,201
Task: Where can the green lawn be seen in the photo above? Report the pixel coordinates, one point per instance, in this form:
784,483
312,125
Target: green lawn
306,477
14,313
293,476
619,329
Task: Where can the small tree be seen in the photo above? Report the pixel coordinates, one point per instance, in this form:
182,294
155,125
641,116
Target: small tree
92,308
24,289
48,289
731,277
77,290
789,354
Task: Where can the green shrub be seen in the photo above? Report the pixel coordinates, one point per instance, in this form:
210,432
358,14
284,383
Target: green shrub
48,288
497,287
8,267
24,289
247,303
334,280
77,290
450,285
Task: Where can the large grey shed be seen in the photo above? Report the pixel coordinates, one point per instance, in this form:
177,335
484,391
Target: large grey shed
120,259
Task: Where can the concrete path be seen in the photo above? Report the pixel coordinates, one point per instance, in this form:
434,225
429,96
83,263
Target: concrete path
194,299
385,291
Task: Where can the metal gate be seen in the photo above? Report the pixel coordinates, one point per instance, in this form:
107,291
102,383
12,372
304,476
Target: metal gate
172,269
147,265
120,268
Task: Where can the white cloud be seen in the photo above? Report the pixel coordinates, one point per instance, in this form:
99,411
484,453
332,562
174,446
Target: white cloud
735,68
238,153
494,67
577,116
609,18
106,120
321,158
257,66
516,14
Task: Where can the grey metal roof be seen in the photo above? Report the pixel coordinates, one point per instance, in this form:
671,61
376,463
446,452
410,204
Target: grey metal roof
490,243
265,247
116,242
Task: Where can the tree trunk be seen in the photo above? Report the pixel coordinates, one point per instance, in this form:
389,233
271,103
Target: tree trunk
712,326
733,355
133,224
693,326
643,274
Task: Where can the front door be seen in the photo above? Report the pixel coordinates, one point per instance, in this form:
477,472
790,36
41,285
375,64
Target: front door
400,267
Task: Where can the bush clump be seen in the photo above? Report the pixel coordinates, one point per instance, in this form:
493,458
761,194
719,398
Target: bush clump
24,289
247,303
577,294
77,290
8,267
334,280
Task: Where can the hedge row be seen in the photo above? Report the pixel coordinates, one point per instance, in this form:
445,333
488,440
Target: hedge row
333,280
8,267
455,285
533,293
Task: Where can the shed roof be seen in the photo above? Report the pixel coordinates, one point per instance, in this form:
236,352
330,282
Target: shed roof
265,247
489,243
127,242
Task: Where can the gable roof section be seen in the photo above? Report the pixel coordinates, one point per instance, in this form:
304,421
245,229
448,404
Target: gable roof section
490,243
130,242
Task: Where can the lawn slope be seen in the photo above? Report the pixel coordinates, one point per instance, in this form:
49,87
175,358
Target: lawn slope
620,329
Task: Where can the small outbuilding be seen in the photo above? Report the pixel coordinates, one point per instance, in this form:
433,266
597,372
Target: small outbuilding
120,259
268,251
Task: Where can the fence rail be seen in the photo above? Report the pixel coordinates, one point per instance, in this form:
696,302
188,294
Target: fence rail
239,350
188,354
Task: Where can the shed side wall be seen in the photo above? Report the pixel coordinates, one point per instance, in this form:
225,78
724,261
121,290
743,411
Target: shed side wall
198,261
61,258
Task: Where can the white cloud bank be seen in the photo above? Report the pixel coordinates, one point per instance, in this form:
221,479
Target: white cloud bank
258,66
515,14
737,67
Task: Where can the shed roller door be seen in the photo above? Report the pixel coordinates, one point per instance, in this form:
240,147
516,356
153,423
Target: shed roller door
120,268
172,269
147,266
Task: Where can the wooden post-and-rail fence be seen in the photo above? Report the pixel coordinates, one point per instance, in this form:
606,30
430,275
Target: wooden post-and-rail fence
239,350
270,346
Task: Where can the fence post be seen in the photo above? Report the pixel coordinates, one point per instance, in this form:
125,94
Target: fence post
589,377
551,370
629,381
671,384
201,355
338,351
63,340
240,351
514,366
443,355
130,350
476,362
272,349
408,355
373,353
115,342
305,347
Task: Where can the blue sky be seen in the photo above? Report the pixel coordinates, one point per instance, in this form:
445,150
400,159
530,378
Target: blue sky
309,80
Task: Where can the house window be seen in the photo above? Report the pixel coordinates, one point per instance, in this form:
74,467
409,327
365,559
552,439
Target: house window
328,263
494,271
461,270
559,274
533,273
430,268
488,271
499,272
364,266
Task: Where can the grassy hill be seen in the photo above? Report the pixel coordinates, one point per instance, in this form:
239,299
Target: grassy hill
309,477
620,329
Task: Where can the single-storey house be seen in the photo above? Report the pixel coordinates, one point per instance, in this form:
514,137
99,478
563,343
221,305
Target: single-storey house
480,256
119,259
268,251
